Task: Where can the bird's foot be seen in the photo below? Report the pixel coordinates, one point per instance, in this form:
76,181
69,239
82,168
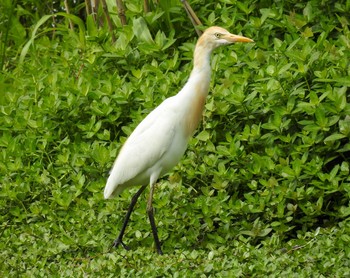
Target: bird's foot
159,251
119,241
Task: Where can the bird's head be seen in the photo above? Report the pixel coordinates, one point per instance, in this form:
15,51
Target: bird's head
215,36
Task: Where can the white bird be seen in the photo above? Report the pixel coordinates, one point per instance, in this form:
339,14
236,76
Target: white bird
159,141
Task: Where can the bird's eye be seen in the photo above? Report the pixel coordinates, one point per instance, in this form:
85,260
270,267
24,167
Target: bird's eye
217,35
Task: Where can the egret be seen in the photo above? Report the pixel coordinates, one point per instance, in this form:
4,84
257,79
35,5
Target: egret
159,141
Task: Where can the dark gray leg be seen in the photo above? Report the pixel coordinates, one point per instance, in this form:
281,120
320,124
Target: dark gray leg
127,217
150,212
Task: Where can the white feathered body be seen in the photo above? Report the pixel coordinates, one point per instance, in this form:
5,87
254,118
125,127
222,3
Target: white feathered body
160,140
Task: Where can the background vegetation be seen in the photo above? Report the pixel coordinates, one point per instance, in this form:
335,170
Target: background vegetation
264,187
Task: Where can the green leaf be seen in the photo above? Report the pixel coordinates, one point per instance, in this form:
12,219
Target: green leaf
321,118
334,137
203,135
344,126
141,30
41,21
32,38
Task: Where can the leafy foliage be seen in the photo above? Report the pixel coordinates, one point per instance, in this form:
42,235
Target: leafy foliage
264,186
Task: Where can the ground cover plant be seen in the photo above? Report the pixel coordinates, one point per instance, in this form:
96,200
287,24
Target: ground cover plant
263,189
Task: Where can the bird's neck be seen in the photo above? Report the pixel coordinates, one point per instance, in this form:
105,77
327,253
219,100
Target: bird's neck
201,72
201,62
196,89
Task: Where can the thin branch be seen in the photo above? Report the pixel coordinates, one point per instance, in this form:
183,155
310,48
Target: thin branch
88,7
121,12
146,8
193,17
94,6
109,22
68,12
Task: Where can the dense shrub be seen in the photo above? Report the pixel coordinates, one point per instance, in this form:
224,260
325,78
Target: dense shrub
265,179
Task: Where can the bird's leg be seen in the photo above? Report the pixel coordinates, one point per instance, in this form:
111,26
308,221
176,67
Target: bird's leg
150,212
127,217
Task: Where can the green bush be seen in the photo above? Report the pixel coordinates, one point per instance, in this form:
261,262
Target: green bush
264,186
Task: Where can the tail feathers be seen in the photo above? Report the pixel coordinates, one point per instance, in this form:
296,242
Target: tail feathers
112,190
108,193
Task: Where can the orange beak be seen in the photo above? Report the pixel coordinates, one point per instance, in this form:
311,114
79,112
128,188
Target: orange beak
236,38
